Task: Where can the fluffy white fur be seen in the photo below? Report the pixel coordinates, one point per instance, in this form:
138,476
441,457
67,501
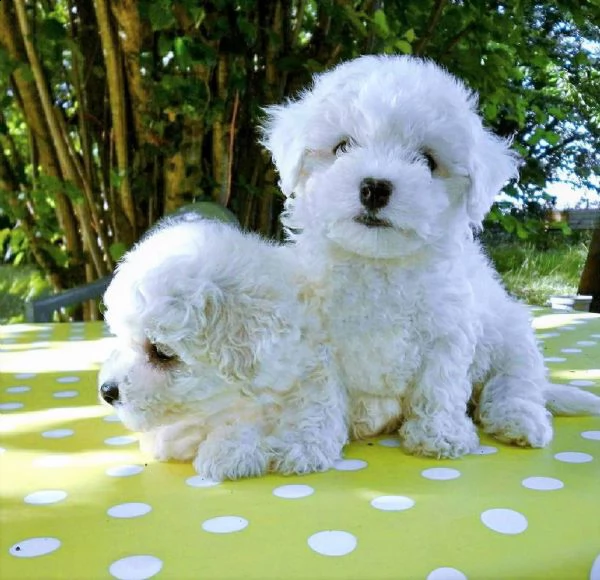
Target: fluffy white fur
424,335
221,358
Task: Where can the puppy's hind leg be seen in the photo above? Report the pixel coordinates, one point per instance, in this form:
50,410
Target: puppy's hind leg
512,404
512,409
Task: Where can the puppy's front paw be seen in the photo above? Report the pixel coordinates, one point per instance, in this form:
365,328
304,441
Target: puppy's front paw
301,458
230,453
519,422
441,437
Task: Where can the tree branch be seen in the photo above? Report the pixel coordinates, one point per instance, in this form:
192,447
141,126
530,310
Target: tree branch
434,17
457,38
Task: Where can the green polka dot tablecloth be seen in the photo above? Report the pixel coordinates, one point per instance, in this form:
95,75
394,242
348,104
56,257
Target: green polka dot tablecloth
79,500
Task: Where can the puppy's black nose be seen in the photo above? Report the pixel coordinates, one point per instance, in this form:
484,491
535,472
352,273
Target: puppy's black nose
375,193
110,392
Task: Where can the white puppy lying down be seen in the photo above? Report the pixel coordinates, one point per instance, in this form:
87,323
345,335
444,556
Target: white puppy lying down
386,167
220,360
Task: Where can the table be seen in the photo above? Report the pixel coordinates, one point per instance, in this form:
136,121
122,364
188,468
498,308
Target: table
79,500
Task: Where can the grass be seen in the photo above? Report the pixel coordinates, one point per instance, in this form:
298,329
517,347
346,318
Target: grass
18,284
530,274
533,275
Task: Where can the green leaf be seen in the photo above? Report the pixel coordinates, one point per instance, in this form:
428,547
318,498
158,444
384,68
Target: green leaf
403,46
380,21
551,137
410,35
522,233
161,15
165,45
52,29
181,51
117,251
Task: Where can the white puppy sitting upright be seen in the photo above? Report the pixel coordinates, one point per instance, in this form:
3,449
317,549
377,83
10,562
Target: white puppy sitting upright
386,167
219,360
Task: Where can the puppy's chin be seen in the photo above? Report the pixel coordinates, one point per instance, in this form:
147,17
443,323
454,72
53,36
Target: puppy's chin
374,242
136,421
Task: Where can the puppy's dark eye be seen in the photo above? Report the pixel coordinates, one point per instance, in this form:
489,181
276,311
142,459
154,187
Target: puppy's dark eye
160,353
431,162
342,147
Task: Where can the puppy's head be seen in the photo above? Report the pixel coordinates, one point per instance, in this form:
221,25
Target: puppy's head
385,155
187,320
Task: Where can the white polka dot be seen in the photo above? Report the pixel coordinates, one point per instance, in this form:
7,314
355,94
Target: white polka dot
120,440
2,450
65,394
199,481
224,524
66,380
570,350
595,571
594,335
349,464
587,342
573,457
33,547
112,418
53,461
389,443
582,383
441,473
504,521
58,433
554,359
135,567
124,470
446,574
548,335
485,450
293,491
10,406
542,483
392,503
71,338
18,389
24,376
129,510
592,435
569,327
332,543
45,496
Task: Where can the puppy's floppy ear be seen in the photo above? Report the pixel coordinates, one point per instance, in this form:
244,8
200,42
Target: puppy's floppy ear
492,164
279,135
225,326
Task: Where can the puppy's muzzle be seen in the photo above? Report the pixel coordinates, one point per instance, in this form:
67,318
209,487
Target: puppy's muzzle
375,193
109,391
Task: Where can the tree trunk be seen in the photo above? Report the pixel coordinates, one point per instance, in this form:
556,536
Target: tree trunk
589,284
117,96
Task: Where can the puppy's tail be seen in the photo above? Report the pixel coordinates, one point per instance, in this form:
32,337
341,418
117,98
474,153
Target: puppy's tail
565,400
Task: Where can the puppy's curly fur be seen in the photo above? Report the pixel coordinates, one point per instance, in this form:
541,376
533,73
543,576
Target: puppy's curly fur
221,358
386,167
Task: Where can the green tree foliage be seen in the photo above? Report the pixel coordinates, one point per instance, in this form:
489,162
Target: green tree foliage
113,113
